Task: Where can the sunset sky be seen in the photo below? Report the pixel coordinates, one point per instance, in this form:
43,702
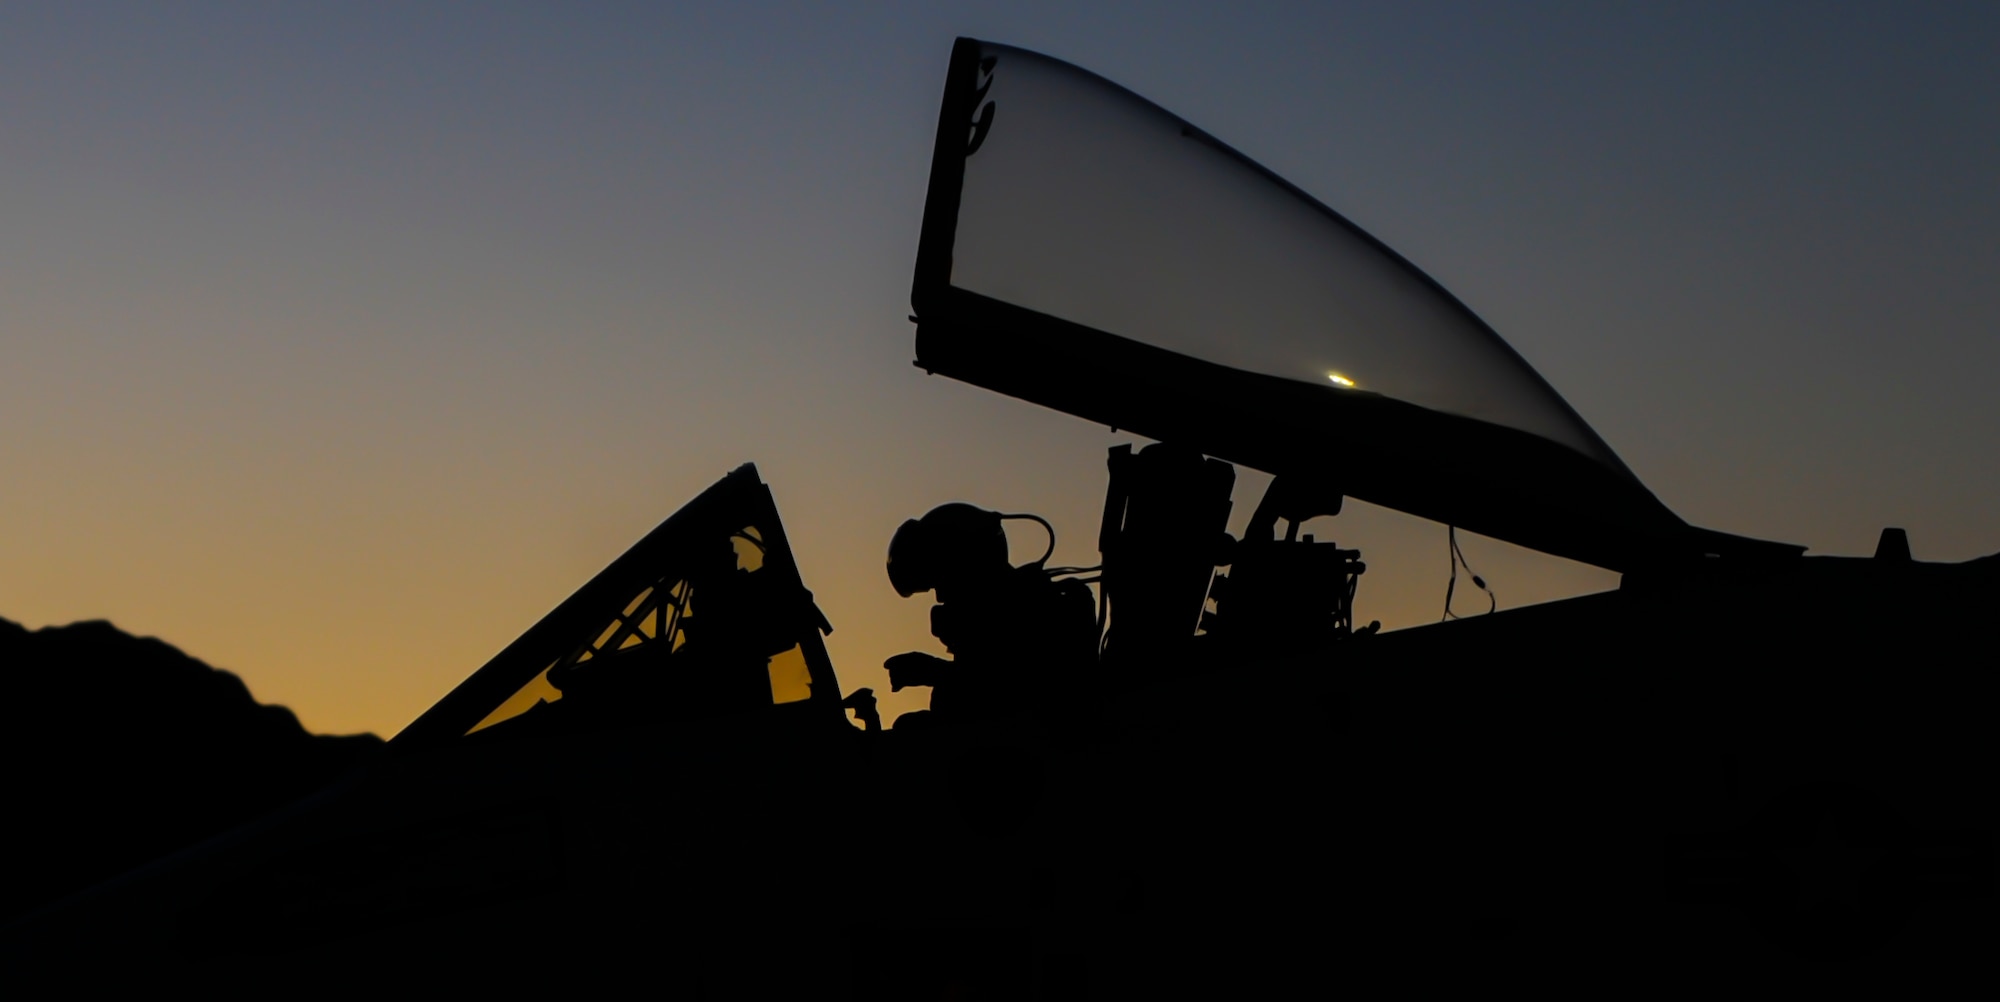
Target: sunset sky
339,342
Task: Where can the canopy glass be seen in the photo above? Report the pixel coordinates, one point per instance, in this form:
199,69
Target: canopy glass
1083,201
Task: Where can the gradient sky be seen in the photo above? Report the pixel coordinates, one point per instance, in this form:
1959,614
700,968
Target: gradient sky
339,342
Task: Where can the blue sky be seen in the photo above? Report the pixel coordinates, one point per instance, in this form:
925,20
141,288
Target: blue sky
342,341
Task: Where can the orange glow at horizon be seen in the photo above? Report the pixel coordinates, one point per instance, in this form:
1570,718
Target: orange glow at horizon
340,347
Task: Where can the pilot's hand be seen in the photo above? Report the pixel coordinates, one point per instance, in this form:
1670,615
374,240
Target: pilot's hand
914,668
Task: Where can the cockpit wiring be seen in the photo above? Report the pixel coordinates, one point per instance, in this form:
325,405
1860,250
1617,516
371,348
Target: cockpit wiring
1046,527
1451,586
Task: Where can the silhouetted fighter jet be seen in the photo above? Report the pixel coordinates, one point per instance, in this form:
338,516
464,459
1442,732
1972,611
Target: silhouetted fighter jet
1744,762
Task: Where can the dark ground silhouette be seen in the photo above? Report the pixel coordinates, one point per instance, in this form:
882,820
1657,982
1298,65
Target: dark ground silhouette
123,749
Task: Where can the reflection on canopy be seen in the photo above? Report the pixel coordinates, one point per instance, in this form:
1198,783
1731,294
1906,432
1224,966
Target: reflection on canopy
1085,202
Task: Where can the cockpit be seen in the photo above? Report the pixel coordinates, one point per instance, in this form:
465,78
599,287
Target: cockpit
1088,251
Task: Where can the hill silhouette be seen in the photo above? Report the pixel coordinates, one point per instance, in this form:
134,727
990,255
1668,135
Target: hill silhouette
125,749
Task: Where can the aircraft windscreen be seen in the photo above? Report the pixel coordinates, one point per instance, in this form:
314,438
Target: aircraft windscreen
1085,202
703,619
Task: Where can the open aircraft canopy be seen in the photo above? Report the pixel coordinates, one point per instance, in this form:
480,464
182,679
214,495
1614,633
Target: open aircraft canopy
1087,250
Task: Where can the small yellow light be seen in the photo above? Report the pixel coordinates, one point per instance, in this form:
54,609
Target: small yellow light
1340,380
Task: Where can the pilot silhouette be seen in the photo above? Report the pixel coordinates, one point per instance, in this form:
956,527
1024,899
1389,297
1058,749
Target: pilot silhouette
993,618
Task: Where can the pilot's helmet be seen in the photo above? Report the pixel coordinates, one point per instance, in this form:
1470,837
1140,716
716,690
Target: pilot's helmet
950,541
